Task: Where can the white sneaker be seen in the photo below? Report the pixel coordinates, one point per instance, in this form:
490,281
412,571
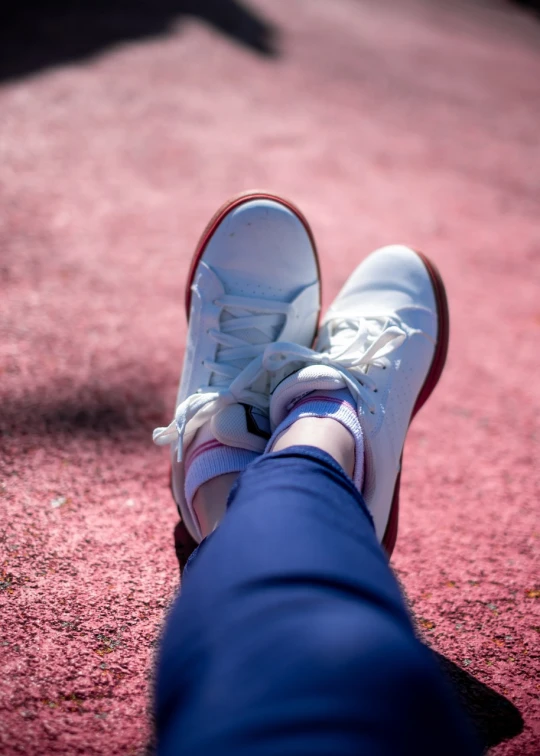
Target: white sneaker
254,279
385,339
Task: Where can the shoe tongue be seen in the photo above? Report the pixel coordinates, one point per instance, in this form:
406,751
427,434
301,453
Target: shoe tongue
242,426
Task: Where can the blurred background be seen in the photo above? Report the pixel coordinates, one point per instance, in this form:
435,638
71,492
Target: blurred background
123,126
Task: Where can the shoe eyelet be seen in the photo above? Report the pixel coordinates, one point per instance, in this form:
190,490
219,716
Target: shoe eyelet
375,391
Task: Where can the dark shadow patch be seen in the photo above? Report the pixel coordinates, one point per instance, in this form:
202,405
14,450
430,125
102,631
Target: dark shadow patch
184,545
528,5
495,717
37,34
129,413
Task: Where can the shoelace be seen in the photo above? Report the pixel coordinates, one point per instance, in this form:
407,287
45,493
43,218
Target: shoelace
238,374
350,346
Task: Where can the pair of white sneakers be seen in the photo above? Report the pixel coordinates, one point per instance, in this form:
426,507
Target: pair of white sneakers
253,301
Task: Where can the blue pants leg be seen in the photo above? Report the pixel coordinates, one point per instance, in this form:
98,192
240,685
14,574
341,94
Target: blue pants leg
291,636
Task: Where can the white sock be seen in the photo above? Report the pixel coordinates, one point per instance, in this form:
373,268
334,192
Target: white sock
335,405
209,459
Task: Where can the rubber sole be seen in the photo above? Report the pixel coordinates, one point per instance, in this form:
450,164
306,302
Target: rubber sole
432,378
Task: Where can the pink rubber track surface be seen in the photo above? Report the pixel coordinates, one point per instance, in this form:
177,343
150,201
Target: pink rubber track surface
411,122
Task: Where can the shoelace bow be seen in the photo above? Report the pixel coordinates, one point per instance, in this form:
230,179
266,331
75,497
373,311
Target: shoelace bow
350,346
238,373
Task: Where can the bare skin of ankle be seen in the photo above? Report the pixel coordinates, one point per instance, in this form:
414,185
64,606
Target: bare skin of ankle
323,433
210,501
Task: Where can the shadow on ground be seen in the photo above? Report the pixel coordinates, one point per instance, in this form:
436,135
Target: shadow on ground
37,34
129,413
532,5
495,717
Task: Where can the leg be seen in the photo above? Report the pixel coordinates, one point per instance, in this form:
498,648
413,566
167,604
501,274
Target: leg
323,433
291,636
210,501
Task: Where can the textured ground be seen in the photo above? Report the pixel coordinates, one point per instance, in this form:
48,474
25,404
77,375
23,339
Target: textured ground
386,120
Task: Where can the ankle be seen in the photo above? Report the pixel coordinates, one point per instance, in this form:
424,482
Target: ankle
210,501
323,433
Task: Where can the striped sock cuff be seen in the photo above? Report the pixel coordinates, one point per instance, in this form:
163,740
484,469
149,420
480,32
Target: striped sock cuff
210,460
335,405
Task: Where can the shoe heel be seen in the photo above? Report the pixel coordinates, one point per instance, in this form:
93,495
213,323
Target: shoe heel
443,335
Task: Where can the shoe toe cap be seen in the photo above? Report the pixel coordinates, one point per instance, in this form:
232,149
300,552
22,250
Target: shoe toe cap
390,279
262,248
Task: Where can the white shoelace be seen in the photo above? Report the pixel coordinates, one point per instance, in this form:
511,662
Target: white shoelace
237,374
350,346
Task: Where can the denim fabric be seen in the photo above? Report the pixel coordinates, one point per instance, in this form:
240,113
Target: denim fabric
291,636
